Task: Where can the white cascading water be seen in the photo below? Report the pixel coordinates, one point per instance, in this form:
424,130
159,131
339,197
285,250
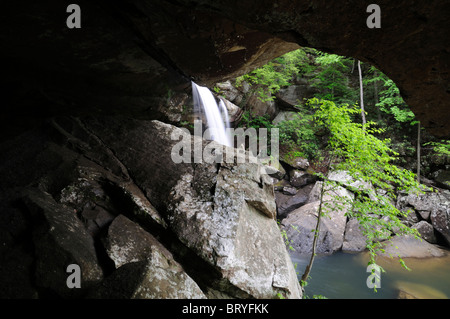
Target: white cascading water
224,110
205,103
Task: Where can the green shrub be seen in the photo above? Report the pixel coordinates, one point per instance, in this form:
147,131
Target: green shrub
299,135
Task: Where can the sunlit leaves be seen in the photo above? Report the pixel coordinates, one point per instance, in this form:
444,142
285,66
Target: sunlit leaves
376,181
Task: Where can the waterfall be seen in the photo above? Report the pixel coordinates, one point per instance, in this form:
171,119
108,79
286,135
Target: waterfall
224,110
205,104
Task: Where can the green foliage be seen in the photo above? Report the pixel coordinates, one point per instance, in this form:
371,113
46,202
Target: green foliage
248,120
331,80
390,100
285,237
257,122
299,135
367,160
276,74
441,148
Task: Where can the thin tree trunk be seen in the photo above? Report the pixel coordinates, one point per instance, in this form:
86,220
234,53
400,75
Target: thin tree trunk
353,66
361,92
316,236
418,153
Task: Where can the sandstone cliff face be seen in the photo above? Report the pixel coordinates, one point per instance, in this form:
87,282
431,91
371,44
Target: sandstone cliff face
129,56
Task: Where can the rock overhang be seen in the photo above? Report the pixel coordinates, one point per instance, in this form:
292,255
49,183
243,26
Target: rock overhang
127,56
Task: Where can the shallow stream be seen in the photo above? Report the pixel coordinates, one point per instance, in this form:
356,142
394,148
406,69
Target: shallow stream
344,276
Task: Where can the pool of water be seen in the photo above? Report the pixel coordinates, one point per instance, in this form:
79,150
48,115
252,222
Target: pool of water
344,276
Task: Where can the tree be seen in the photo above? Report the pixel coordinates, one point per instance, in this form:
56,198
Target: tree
308,268
361,94
368,161
390,100
418,152
332,82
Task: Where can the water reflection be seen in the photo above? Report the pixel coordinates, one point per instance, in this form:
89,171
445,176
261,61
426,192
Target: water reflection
344,276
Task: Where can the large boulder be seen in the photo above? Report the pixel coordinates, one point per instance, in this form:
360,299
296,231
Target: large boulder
426,231
300,224
60,239
300,178
354,239
145,268
157,277
345,179
407,246
127,242
214,209
229,92
260,106
423,204
286,203
433,207
295,95
185,230
220,230
299,227
440,219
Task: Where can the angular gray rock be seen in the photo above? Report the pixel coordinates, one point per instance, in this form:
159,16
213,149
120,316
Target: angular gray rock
286,204
314,195
299,224
354,240
284,116
233,234
230,92
299,227
426,231
127,242
296,162
345,179
295,94
440,219
257,107
300,178
273,168
407,246
157,277
433,207
224,213
293,203
422,203
145,268
60,239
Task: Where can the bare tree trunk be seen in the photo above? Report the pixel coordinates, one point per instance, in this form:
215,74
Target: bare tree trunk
418,153
316,236
361,92
353,66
